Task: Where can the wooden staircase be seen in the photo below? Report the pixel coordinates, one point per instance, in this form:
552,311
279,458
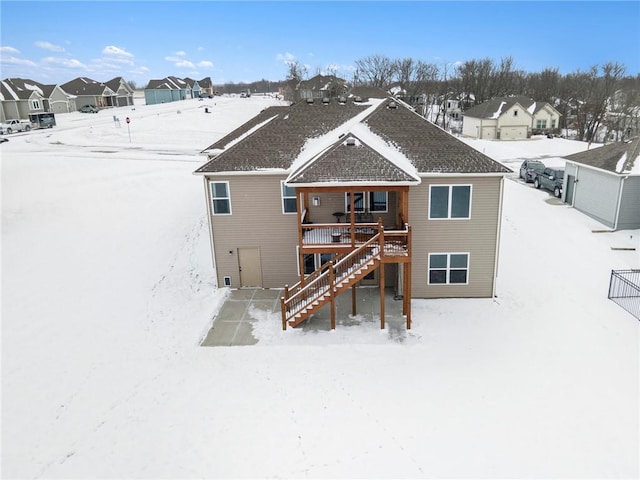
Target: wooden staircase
334,277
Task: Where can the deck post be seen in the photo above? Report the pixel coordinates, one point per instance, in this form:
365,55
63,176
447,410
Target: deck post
382,289
332,295
283,307
353,300
407,294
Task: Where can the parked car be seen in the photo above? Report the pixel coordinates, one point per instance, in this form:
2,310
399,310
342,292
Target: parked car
2,139
15,125
88,109
530,169
550,179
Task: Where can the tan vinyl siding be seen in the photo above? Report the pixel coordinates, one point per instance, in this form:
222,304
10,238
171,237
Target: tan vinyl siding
256,221
476,236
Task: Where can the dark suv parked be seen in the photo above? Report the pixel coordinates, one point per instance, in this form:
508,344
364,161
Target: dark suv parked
550,179
530,169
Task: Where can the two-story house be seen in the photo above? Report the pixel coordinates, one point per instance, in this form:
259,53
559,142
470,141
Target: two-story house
510,118
86,91
321,197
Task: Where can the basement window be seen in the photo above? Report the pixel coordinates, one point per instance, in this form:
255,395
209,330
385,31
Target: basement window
448,269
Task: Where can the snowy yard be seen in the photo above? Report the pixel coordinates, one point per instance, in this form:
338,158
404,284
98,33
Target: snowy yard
107,289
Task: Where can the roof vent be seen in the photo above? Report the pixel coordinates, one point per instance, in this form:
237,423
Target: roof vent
357,99
350,142
309,100
342,100
326,100
393,104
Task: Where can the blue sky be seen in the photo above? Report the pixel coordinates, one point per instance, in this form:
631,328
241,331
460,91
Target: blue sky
54,42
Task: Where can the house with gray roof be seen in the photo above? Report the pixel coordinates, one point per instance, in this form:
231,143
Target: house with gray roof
510,118
206,86
604,183
20,98
83,91
168,89
323,197
124,92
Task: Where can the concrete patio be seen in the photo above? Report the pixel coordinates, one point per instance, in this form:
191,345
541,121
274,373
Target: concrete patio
233,325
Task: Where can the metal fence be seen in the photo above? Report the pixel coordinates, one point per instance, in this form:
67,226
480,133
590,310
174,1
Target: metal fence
624,289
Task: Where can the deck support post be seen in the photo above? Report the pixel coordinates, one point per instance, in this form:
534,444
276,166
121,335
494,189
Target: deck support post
282,307
407,294
332,295
353,300
382,289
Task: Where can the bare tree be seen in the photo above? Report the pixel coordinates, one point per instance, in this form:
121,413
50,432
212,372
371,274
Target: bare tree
376,71
296,70
543,86
589,94
132,84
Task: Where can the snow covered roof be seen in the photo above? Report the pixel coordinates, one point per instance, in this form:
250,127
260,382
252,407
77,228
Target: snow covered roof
619,157
497,106
22,89
307,141
84,86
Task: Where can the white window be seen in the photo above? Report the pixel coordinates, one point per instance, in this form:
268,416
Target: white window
220,198
367,201
35,105
553,123
448,269
541,124
289,201
449,202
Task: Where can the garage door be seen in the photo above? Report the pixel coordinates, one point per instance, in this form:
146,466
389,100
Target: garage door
513,133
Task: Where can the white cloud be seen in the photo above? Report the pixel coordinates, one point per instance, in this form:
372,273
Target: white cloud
9,50
65,62
116,51
173,59
201,49
286,57
181,53
49,46
205,64
18,61
185,64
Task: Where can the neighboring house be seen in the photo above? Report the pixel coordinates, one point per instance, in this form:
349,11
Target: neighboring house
124,92
169,89
206,86
83,91
194,86
510,118
318,87
391,198
22,97
604,183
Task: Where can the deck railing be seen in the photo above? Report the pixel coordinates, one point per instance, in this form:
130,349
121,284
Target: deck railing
326,281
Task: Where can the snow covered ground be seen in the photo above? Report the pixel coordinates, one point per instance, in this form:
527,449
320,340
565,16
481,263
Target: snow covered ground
107,289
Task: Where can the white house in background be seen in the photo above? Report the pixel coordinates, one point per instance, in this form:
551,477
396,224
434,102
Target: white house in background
604,183
22,97
509,118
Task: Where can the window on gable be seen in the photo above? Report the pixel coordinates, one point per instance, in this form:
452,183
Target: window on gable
220,198
448,269
515,113
35,104
289,200
449,201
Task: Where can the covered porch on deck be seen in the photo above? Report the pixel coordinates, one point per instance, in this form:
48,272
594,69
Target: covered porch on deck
357,247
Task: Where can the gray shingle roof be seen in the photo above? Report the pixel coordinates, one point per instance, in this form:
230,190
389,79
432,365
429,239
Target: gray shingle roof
347,162
491,108
22,88
279,135
84,86
608,156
